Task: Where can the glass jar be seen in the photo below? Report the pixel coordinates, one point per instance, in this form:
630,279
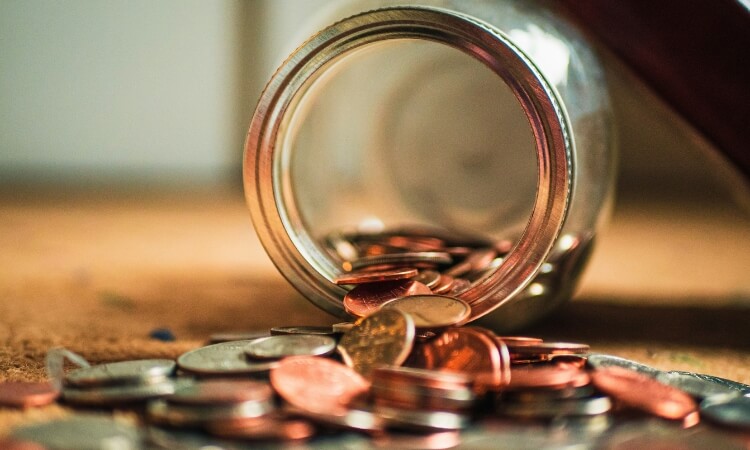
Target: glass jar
486,122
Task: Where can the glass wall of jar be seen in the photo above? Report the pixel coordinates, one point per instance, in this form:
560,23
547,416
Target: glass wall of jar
484,125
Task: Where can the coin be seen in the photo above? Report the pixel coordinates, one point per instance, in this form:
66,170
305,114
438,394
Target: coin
321,331
519,340
465,350
123,372
184,415
212,392
432,311
601,361
376,276
81,432
694,384
729,410
365,299
639,391
398,259
548,377
218,338
276,347
227,358
422,420
112,395
348,419
266,430
383,338
429,278
343,327
729,385
444,285
564,407
317,384
544,350
21,394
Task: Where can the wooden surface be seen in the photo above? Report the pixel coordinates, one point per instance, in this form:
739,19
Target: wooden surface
95,271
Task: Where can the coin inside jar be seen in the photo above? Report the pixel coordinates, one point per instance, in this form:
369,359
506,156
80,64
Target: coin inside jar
365,299
432,311
276,347
376,276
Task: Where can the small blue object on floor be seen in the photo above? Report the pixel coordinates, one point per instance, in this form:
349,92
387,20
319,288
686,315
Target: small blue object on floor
162,334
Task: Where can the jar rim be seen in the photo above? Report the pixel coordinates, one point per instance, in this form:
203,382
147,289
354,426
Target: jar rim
264,175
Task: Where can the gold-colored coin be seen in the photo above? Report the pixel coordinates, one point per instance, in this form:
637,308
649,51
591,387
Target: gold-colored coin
383,338
432,312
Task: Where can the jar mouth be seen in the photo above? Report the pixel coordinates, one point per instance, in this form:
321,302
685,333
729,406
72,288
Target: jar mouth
267,157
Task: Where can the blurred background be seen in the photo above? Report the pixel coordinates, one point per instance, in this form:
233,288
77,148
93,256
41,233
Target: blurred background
163,91
155,94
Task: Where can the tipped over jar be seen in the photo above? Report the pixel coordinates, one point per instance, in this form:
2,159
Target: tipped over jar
471,140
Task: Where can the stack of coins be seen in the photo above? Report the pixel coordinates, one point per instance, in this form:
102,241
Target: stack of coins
119,382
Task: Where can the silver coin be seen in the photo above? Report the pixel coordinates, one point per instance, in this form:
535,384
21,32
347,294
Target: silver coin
352,419
591,406
81,432
729,410
422,420
218,338
277,347
172,438
112,395
227,358
600,361
319,331
398,259
420,397
548,395
695,384
123,372
740,388
163,412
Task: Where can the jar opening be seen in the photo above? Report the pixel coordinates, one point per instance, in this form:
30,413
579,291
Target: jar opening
411,117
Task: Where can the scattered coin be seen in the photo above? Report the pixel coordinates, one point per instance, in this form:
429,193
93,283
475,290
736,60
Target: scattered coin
123,372
383,338
639,391
365,299
81,432
729,410
422,420
276,347
323,331
350,419
20,394
227,358
222,391
266,430
218,338
589,406
335,384
429,278
112,395
432,312
599,361
695,385
548,377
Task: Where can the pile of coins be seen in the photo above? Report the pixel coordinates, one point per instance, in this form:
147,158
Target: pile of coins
379,377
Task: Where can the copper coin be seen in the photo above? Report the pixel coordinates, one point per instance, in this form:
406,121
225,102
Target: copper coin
20,394
381,339
548,377
317,384
432,312
422,377
409,259
444,284
545,350
569,361
429,278
460,285
267,429
213,392
464,350
365,299
415,243
641,392
374,276
519,340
